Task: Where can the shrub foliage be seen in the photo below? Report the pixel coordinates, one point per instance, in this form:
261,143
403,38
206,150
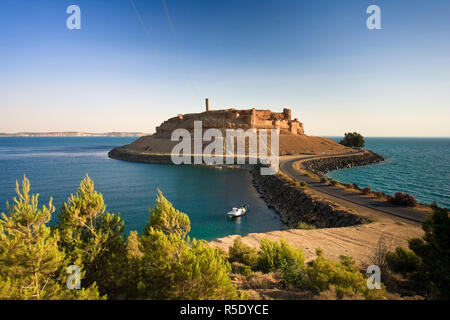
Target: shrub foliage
242,253
402,261
32,266
274,255
353,140
161,263
93,238
429,261
402,199
165,217
323,274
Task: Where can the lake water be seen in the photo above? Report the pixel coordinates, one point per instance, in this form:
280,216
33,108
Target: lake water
418,166
56,165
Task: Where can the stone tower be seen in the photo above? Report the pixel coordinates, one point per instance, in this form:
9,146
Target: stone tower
207,104
287,114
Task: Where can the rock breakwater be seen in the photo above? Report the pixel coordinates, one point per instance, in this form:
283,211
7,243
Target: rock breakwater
295,205
323,165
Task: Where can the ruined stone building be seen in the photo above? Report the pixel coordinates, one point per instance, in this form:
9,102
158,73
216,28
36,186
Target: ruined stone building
233,119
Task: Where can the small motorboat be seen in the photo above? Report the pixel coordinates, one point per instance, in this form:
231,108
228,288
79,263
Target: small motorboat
237,212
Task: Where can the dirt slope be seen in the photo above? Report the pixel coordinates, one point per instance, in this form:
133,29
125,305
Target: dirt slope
289,144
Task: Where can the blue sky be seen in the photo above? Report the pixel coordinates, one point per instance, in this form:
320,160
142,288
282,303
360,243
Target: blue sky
316,57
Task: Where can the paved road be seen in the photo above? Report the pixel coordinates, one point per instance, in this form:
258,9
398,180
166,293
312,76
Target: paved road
351,200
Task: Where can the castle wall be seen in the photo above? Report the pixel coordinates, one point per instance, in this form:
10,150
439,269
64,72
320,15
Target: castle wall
234,119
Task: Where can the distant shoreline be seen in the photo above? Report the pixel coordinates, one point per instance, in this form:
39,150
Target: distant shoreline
73,134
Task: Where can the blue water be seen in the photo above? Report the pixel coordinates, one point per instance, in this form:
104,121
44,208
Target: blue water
418,166
55,167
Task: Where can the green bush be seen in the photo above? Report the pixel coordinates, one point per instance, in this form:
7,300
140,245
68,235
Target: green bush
305,226
164,217
353,140
166,265
344,277
242,253
93,238
274,255
172,268
433,250
323,274
402,261
294,275
159,264
32,266
244,270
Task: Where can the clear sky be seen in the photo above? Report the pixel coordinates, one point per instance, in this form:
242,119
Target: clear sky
315,56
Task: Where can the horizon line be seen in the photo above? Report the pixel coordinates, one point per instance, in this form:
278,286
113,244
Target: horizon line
140,133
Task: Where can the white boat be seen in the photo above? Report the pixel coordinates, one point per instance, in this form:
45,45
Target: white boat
237,212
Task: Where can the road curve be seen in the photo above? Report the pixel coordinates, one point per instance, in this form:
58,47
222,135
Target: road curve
357,202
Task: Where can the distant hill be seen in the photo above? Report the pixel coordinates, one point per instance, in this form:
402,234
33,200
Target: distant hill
73,134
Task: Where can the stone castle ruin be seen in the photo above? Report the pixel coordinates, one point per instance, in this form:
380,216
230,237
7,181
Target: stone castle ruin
233,119
158,147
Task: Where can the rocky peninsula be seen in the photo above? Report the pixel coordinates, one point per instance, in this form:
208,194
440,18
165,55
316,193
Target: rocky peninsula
157,148
339,227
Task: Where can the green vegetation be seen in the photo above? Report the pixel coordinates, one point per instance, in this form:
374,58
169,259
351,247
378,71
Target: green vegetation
402,261
427,265
273,255
159,264
343,277
169,267
164,263
322,274
166,218
242,253
353,140
94,238
242,269
319,275
288,179
305,226
32,265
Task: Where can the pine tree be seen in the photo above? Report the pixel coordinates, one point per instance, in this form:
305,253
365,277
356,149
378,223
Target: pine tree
31,264
164,217
173,268
93,238
433,251
167,265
